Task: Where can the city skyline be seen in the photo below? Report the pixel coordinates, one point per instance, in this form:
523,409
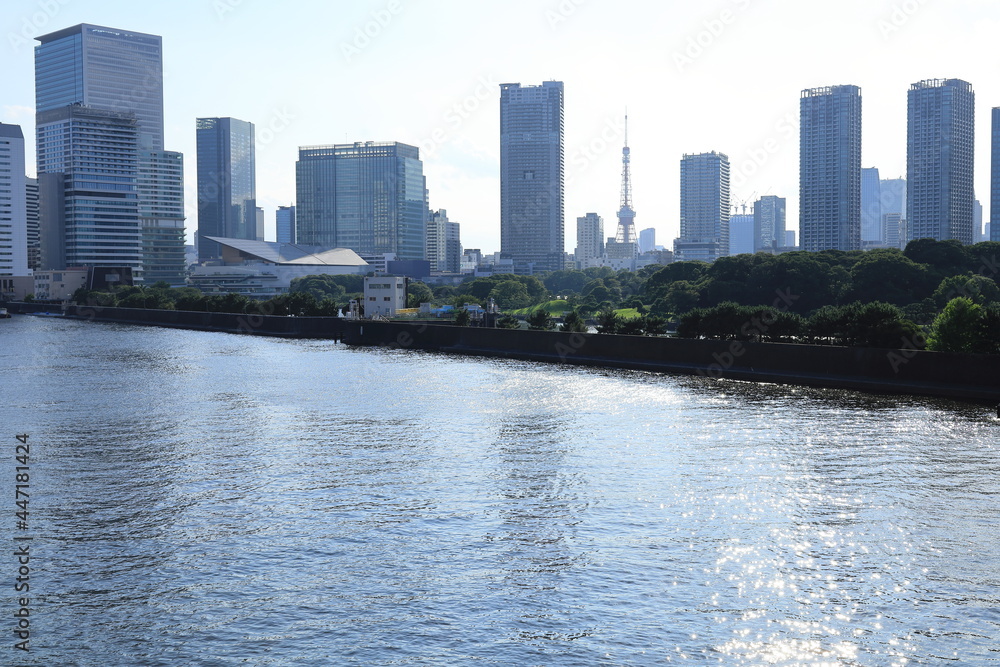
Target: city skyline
455,118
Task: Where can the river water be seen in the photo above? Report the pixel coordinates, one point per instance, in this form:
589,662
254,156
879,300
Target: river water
213,499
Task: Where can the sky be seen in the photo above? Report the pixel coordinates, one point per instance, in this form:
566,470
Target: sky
717,75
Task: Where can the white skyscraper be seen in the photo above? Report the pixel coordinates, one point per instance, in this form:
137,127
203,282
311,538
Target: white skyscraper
704,208
13,203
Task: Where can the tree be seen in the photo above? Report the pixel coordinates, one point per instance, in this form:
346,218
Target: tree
462,318
980,289
566,282
633,326
959,327
608,322
944,258
540,320
510,295
508,322
417,294
573,323
655,326
888,275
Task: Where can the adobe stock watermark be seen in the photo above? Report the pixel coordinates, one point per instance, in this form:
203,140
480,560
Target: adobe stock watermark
35,23
784,131
756,327
279,121
364,35
899,15
705,37
611,135
484,90
224,7
562,12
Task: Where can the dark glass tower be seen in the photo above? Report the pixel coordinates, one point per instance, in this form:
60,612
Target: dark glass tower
940,156
227,183
366,196
532,176
104,68
995,178
830,169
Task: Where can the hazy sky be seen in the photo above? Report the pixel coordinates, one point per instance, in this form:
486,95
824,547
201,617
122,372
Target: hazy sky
719,75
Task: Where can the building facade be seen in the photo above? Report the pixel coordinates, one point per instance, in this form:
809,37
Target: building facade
769,222
227,183
118,71
940,156
384,296
366,196
88,171
871,208
444,243
589,240
532,176
104,68
995,175
34,229
647,240
741,234
830,168
13,203
704,208
161,211
284,224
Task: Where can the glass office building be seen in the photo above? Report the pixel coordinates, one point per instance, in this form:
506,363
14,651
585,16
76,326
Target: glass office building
227,183
532,176
368,197
88,166
103,68
940,156
704,208
161,211
830,168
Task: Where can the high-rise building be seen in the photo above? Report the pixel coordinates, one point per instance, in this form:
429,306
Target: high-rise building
103,68
741,234
871,208
284,224
88,191
119,71
161,211
830,169
368,197
769,222
894,230
13,203
940,155
995,176
647,240
444,244
790,238
227,183
704,208
977,222
34,235
892,195
259,233
532,176
589,240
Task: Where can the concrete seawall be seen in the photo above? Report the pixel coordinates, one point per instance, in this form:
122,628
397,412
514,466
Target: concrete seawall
260,325
957,376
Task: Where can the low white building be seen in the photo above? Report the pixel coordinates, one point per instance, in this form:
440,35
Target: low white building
262,270
384,296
